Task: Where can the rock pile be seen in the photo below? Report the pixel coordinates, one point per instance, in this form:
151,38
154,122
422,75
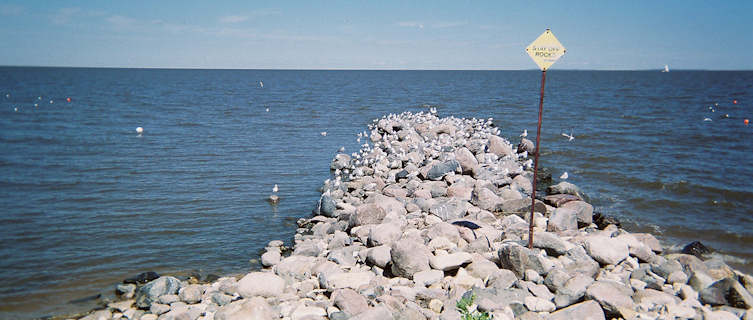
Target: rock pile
432,209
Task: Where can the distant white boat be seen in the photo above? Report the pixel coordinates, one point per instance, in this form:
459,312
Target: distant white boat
666,68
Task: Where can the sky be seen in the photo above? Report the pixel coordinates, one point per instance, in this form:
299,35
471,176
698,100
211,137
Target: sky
354,34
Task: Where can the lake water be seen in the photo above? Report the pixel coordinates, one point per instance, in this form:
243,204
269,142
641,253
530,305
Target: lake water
86,202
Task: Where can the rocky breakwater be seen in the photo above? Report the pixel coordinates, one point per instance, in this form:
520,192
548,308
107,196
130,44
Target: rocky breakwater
432,211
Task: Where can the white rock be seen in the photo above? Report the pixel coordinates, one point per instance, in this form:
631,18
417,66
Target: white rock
263,284
606,250
450,262
537,304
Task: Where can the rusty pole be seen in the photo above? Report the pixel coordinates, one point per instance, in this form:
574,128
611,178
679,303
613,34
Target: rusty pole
536,160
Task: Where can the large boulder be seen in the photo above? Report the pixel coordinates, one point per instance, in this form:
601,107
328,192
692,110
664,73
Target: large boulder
466,159
727,292
584,211
384,234
408,257
500,146
606,250
564,188
439,170
369,213
264,284
449,209
451,261
519,259
613,297
349,301
151,291
485,198
341,280
562,219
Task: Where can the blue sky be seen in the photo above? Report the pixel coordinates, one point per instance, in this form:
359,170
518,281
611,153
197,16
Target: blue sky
601,35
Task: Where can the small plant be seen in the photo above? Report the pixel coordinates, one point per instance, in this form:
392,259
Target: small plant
468,311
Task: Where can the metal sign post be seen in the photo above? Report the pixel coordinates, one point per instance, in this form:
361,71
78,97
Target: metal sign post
544,51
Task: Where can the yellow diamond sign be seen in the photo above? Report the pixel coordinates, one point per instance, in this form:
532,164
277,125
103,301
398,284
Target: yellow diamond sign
545,50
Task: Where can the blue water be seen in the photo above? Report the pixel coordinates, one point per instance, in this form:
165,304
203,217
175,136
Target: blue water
86,202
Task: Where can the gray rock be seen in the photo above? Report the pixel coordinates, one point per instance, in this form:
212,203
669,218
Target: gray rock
572,290
295,268
581,262
649,240
481,268
341,280
467,161
439,170
583,211
564,188
502,279
526,145
557,200
427,277
191,293
727,292
126,290
450,262
449,209
500,146
612,296
379,256
159,308
220,299
99,315
379,312
536,304
553,245
409,257
309,247
151,291
556,279
270,258
255,308
340,161
369,213
263,284
606,250
308,312
460,192
518,259
327,205
445,230
485,198
562,219
520,207
666,268
349,301
587,310
384,234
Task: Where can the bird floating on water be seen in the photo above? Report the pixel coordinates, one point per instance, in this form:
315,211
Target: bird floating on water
267,109
525,133
707,119
341,150
323,133
564,176
569,137
261,84
275,188
139,130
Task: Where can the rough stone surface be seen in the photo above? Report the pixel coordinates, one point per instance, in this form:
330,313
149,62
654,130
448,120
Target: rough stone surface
263,284
606,250
409,257
151,291
587,310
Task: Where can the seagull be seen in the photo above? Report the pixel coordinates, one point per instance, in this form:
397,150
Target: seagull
261,84
139,130
275,188
569,137
323,133
15,109
341,150
525,133
564,176
267,109
706,119
433,110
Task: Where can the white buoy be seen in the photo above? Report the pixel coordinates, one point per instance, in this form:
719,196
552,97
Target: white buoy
564,176
139,130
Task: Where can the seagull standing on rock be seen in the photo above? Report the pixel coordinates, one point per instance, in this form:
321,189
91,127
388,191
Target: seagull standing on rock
525,133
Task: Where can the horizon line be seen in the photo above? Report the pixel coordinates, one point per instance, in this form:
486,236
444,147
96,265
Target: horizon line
344,69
